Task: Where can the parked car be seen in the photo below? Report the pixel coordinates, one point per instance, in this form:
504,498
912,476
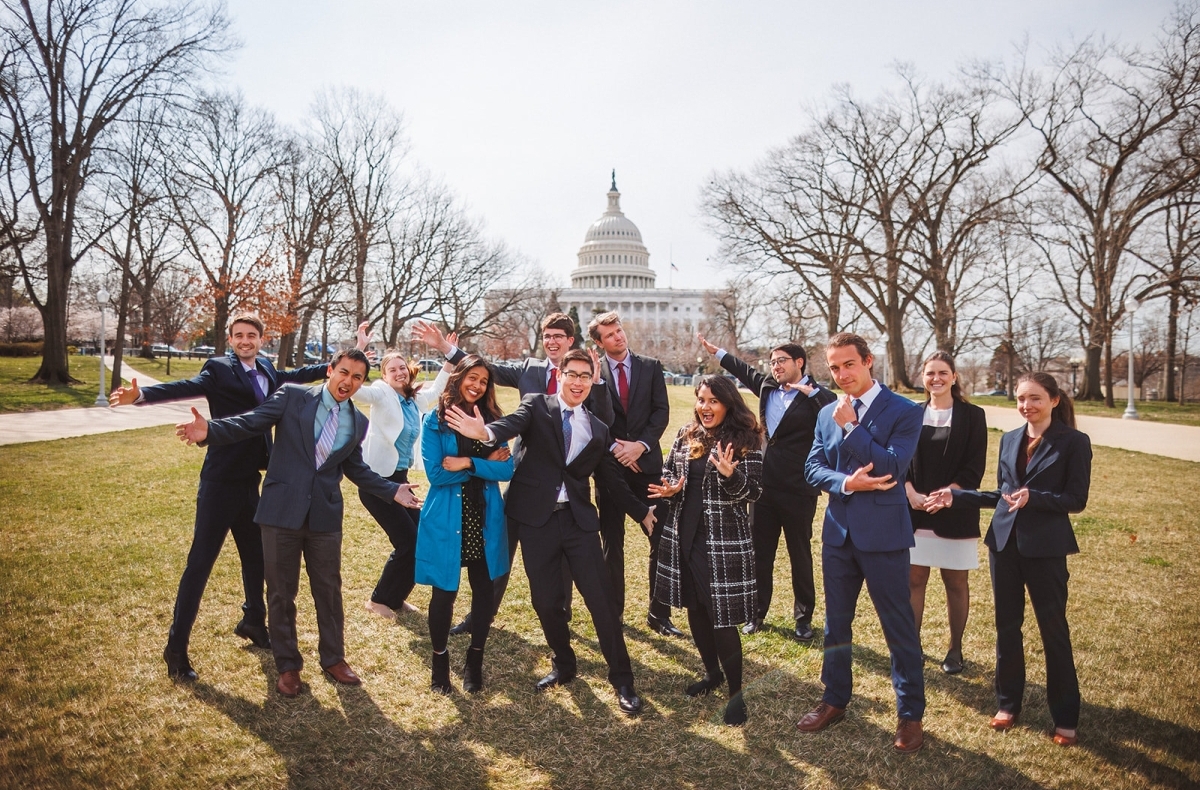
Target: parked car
430,365
206,350
162,348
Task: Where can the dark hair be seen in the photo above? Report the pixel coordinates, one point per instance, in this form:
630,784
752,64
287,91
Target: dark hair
739,428
843,339
1064,412
577,355
247,318
794,351
955,390
604,319
452,396
559,321
354,355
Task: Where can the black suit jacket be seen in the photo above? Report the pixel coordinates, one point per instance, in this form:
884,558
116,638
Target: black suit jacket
530,378
649,409
228,388
295,489
787,451
1058,477
962,461
533,492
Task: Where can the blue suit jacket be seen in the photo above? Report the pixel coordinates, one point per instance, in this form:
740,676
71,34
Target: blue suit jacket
887,437
229,391
295,489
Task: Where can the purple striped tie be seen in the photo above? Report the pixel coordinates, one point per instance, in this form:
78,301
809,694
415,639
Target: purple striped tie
328,435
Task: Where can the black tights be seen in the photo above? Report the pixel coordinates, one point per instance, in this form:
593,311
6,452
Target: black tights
441,608
720,648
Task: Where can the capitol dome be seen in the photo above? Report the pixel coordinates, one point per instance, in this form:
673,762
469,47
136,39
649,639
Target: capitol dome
612,255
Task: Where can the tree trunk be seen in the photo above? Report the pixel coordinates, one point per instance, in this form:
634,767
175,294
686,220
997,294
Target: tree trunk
1091,374
1172,336
1108,374
54,368
287,350
220,322
147,296
118,351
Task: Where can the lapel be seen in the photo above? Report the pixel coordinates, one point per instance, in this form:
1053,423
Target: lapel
308,416
555,410
242,376
1010,445
877,408
636,379
797,404
540,368
268,370
610,381
1045,453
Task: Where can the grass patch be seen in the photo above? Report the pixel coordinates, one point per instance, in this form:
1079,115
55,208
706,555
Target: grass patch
1157,562
1150,411
157,367
17,394
94,533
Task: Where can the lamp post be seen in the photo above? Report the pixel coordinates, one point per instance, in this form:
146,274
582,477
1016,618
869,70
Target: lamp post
1075,363
1131,306
101,297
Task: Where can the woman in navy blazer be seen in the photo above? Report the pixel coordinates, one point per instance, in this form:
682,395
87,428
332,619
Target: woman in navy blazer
462,522
1044,474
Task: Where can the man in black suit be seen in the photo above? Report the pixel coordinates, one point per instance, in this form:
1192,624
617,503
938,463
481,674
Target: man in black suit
641,412
532,376
228,494
550,498
788,403
318,434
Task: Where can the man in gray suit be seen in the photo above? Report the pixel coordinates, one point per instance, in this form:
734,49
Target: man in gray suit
318,434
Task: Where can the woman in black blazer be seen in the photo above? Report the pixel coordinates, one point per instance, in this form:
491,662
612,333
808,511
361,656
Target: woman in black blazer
1044,474
951,453
706,554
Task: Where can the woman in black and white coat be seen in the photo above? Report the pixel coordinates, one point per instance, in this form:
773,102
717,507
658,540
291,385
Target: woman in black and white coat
706,554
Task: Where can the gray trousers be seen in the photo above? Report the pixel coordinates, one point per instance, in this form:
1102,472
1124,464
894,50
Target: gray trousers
322,552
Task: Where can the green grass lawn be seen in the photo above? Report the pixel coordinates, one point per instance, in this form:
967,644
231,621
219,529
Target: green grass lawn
94,533
17,394
157,368
1151,411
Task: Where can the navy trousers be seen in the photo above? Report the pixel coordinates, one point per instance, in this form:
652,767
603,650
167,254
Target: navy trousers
845,569
221,508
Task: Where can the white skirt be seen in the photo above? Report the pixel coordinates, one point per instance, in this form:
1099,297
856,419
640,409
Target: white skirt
952,554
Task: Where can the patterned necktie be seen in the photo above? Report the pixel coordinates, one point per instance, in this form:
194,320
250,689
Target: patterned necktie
567,433
622,386
552,386
328,434
857,404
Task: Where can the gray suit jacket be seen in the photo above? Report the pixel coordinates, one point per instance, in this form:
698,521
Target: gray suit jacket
295,490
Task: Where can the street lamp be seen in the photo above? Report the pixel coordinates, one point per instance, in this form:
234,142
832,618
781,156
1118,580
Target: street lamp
1075,363
1131,306
102,297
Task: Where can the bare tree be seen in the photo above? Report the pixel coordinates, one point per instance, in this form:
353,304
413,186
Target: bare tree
68,70
731,312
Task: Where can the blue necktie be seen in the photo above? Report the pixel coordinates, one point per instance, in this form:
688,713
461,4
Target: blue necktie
567,434
857,404
328,435
259,394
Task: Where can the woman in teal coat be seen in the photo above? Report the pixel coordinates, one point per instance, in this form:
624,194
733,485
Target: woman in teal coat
462,521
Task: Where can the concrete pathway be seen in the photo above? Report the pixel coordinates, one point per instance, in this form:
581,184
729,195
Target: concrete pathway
1155,438
40,426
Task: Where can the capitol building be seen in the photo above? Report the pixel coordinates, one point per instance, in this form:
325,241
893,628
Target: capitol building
613,273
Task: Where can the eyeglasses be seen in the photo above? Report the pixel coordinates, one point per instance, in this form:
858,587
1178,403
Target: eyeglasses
781,361
572,377
559,337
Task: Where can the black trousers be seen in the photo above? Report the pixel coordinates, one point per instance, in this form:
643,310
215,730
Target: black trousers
221,508
792,514
322,552
543,550
1046,579
612,538
400,524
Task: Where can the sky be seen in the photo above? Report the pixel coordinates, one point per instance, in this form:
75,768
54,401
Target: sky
524,108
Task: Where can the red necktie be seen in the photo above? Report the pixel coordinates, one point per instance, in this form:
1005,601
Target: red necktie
552,387
623,386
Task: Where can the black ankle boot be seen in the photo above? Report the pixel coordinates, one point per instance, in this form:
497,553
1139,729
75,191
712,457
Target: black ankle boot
735,710
440,677
705,684
473,671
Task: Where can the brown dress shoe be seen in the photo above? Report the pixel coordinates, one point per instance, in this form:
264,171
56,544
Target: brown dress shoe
289,683
342,673
1002,723
820,717
1064,740
909,736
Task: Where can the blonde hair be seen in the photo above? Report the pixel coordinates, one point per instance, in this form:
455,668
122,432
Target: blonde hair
409,388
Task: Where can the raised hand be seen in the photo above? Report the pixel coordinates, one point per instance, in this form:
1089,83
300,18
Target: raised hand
470,426
195,431
664,491
363,336
429,334
722,459
1017,499
404,496
709,347
595,363
124,396
861,480
843,413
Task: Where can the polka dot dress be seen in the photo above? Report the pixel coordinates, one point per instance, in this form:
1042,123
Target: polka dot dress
472,512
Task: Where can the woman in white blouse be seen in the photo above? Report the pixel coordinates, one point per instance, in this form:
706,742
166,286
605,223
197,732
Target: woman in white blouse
397,406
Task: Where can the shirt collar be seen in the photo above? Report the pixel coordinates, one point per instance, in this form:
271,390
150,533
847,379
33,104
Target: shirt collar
612,363
251,368
870,395
327,399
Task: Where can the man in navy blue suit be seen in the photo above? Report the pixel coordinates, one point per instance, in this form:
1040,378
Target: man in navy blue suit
861,451
228,494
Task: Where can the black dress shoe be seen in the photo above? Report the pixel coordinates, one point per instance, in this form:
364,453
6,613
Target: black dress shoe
662,625
255,633
705,684
952,664
178,666
628,700
555,678
753,627
462,628
804,631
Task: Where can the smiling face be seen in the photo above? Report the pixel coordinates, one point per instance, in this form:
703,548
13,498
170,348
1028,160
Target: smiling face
1035,404
557,343
245,340
938,377
710,412
474,384
785,369
395,374
345,378
851,372
574,383
612,340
